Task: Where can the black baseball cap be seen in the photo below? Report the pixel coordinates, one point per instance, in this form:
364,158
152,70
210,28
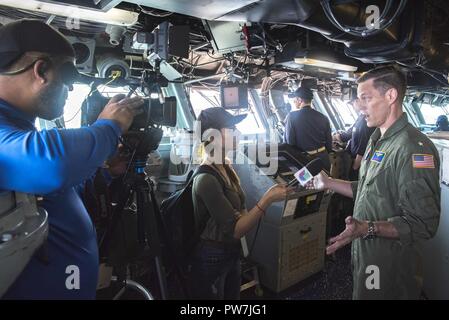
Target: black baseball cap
302,92
442,119
19,37
218,118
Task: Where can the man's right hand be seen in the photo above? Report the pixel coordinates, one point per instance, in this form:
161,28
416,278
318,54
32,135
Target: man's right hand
122,110
319,182
322,182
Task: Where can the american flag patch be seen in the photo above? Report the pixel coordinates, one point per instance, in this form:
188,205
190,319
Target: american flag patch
423,161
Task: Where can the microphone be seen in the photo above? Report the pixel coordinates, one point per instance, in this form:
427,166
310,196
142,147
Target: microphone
306,174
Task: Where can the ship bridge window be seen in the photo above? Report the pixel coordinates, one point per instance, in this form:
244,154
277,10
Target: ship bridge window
345,111
207,98
431,112
72,108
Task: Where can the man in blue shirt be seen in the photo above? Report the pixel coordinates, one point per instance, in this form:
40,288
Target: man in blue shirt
36,71
442,123
308,129
358,136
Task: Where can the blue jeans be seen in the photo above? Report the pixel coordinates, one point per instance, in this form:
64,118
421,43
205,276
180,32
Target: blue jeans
215,273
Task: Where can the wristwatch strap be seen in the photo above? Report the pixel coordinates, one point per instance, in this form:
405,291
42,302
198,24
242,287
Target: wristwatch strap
371,234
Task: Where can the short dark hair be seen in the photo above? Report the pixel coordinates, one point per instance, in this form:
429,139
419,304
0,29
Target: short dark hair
306,101
385,78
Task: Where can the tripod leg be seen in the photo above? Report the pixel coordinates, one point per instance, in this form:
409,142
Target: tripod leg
161,277
133,285
116,213
145,209
138,287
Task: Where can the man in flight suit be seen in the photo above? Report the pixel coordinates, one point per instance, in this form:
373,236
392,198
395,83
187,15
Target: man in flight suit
37,68
308,129
397,197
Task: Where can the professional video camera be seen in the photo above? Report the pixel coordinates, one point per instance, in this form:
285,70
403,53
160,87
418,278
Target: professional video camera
145,133
133,193
130,224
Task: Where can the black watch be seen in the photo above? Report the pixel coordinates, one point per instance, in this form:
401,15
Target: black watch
371,231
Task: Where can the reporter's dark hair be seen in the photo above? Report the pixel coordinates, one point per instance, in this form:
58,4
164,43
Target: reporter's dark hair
386,78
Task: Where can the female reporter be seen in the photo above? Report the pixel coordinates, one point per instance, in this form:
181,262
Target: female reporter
220,211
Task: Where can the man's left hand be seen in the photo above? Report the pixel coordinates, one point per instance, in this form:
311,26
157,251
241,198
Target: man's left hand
354,229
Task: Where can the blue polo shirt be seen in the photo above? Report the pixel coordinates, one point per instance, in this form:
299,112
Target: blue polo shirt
308,129
51,163
358,136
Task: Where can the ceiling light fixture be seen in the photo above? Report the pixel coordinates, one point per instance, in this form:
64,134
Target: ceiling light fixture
325,64
112,16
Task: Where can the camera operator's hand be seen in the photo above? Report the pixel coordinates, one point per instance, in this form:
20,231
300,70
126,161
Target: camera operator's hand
122,110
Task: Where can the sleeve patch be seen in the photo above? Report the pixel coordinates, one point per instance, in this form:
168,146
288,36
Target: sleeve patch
423,161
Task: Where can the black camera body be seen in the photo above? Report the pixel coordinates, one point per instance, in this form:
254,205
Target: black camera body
154,113
144,134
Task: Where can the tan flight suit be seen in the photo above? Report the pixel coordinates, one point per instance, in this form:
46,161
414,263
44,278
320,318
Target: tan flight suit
399,183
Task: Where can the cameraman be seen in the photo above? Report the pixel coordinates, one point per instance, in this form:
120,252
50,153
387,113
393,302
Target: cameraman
36,71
